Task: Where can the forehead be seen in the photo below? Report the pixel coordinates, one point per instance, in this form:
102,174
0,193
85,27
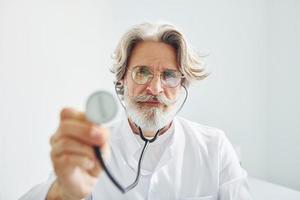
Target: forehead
156,55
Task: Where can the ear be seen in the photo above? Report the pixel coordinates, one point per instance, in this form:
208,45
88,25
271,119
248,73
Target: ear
121,82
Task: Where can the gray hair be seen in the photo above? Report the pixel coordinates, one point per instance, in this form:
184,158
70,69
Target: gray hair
188,61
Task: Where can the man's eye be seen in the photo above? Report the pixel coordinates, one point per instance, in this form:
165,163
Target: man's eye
169,74
144,72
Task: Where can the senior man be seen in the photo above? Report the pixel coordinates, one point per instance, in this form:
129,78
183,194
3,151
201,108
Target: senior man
153,67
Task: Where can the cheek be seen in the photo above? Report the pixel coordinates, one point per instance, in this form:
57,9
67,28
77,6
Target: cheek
172,93
137,90
133,88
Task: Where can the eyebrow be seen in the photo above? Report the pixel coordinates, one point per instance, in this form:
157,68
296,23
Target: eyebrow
164,68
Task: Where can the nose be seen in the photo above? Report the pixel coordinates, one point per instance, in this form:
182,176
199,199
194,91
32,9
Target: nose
154,87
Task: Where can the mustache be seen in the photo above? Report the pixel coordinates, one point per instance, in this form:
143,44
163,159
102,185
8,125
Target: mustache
160,98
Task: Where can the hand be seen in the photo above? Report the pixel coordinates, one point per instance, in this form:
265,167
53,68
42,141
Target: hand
72,155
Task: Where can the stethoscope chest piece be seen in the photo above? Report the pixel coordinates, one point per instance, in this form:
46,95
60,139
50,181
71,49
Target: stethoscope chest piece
101,107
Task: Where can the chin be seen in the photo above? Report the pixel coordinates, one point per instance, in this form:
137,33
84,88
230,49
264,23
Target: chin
150,119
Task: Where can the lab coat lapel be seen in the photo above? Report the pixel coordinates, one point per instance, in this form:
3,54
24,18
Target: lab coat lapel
167,177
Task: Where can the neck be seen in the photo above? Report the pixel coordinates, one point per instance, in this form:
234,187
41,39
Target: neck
135,129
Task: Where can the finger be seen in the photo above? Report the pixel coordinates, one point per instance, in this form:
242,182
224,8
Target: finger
105,149
71,146
96,170
66,162
70,113
84,132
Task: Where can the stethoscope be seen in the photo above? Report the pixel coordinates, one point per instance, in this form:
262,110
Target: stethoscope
101,107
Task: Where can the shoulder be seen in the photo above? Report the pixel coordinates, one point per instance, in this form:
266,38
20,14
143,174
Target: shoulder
202,137
208,138
200,131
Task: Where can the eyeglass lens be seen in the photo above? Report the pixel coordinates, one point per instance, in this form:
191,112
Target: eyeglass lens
143,75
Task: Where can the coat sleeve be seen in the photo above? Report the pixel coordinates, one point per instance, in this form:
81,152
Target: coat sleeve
39,192
233,182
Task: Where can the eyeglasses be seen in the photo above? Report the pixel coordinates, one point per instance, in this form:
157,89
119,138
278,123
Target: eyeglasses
143,75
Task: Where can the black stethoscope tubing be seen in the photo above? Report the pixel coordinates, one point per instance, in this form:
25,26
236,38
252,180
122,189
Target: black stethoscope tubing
100,159
97,151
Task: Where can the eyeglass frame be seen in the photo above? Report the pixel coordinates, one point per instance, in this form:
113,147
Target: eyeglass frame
153,74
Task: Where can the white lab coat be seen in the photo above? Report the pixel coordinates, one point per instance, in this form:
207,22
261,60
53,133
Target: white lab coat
197,162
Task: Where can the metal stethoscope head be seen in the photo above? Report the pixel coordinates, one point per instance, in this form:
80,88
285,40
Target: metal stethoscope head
101,108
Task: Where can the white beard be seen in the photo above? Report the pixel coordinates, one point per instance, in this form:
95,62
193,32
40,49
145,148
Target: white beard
148,118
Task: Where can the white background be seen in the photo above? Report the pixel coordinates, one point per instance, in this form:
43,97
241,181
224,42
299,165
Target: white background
55,53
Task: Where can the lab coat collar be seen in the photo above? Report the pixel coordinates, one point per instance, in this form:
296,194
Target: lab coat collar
133,146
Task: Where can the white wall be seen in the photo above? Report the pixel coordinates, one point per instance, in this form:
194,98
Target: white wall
52,54
55,53
283,95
